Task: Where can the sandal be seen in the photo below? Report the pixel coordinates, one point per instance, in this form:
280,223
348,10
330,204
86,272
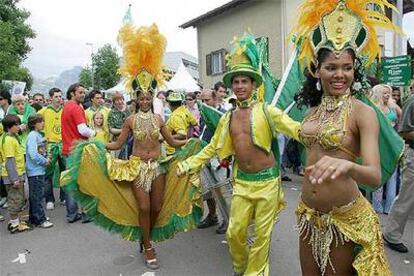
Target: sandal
150,263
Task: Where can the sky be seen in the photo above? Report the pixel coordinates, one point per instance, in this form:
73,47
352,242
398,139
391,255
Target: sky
64,27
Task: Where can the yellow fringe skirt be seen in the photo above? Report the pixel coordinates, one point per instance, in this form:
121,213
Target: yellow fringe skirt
356,222
141,173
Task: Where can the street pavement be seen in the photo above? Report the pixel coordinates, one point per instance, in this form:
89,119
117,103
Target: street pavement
84,249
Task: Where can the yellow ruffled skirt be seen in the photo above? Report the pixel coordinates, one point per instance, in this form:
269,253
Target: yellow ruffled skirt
102,186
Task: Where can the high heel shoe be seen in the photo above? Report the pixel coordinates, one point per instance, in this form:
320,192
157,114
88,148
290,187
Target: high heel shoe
150,263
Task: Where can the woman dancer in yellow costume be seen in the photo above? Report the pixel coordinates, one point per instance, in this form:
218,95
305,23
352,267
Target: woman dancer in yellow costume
149,181
102,184
339,231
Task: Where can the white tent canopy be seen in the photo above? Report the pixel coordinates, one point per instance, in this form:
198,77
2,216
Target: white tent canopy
120,87
182,81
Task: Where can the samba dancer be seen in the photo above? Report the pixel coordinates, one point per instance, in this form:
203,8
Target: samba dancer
102,184
339,230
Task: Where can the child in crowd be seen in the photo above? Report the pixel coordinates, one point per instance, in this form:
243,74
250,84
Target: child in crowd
101,134
13,172
36,162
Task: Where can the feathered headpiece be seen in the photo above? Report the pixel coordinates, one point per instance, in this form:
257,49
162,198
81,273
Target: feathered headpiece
243,60
339,25
143,52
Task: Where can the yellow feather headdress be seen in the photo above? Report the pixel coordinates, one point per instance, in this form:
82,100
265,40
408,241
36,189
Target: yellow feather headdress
339,25
143,53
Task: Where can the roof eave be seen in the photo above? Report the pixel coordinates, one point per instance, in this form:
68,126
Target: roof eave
217,11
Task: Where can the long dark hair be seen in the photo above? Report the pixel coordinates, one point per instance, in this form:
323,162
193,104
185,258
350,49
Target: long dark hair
309,96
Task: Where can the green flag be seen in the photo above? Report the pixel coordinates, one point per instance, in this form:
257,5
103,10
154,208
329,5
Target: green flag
211,116
391,145
270,83
290,84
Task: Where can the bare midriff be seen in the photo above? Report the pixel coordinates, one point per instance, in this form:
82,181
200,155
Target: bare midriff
249,157
147,149
331,193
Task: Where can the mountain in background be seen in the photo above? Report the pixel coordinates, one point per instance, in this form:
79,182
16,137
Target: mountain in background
43,85
63,81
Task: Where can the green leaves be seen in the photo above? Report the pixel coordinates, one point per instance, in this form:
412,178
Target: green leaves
14,36
104,71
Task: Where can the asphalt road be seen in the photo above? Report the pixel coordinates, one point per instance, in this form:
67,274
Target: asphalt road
83,249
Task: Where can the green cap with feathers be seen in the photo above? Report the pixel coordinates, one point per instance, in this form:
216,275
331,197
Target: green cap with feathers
243,60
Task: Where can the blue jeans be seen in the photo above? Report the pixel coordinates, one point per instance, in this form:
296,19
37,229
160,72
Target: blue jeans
282,140
36,194
49,196
72,209
390,194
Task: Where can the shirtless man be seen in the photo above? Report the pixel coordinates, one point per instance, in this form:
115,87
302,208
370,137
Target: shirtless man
246,133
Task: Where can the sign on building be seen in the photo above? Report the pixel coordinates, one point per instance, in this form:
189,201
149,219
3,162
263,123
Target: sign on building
397,70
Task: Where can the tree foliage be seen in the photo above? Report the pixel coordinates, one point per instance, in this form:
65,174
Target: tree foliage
105,65
85,77
14,36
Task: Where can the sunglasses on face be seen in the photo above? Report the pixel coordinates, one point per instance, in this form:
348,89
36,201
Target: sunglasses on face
1,99
189,99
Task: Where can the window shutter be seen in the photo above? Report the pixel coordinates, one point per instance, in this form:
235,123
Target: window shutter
208,65
223,61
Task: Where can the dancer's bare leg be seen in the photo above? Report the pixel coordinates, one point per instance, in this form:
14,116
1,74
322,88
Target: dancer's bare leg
342,257
157,195
144,206
307,262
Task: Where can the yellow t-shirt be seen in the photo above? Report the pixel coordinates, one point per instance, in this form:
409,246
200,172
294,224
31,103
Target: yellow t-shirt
179,123
89,115
52,128
101,136
10,147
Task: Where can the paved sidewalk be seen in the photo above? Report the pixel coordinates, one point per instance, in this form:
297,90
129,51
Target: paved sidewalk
83,249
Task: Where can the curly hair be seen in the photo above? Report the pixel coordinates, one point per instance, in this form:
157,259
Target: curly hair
309,96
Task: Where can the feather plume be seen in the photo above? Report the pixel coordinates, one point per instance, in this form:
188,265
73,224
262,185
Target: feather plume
247,45
143,49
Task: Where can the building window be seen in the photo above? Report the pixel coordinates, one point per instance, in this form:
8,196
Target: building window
216,62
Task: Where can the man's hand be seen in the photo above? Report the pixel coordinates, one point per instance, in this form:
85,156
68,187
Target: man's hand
17,183
181,168
22,127
49,159
225,164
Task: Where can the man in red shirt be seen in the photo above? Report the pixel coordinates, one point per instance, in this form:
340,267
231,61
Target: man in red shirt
74,128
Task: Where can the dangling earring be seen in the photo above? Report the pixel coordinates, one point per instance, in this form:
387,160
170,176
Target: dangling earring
318,86
356,86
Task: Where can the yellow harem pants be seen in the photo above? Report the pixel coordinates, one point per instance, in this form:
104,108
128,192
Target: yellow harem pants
259,197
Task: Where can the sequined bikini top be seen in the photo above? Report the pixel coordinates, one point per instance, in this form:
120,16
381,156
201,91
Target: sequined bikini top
332,117
146,126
